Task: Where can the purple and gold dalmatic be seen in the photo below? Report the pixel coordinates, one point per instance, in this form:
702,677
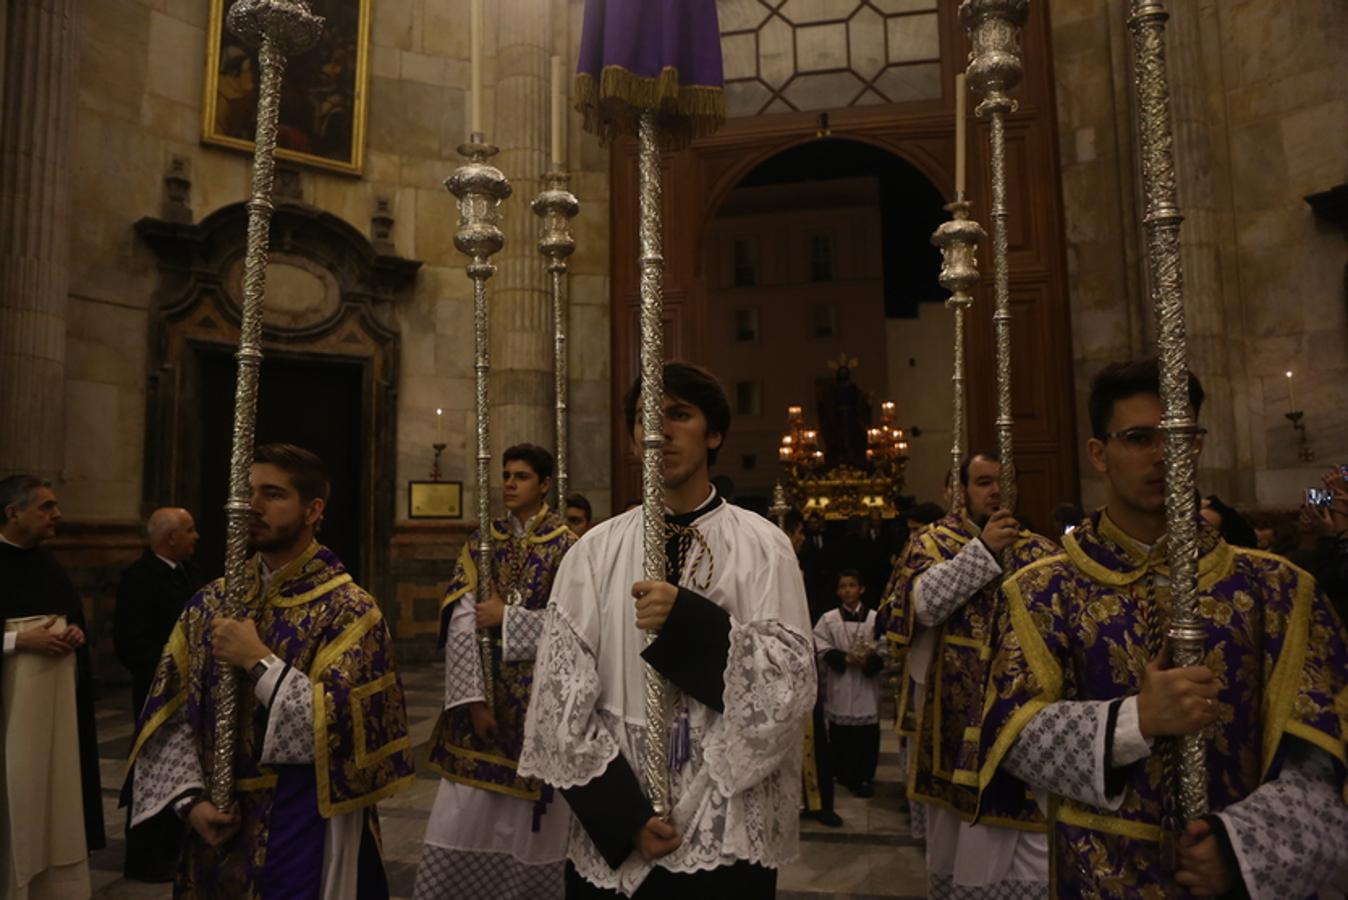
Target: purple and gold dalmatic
1084,625
320,622
943,767
524,566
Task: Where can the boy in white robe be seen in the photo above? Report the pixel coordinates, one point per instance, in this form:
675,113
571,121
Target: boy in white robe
844,638
733,639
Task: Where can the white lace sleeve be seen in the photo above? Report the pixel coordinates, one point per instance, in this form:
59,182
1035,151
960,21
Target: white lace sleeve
166,768
1290,836
769,691
1062,751
463,660
566,744
947,586
290,722
520,631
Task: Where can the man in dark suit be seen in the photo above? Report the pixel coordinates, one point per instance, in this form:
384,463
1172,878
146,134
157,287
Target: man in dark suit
150,598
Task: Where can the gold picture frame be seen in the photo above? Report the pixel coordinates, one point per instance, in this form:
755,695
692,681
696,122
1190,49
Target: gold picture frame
435,499
324,95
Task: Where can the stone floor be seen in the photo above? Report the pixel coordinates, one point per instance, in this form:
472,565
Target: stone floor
872,856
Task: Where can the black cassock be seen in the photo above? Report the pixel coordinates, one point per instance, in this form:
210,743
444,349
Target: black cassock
150,598
32,583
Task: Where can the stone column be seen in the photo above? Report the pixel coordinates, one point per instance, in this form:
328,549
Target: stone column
521,321
1211,294
36,123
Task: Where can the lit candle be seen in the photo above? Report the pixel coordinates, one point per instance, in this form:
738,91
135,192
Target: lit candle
961,151
439,425
1291,394
475,81
793,412
787,440
784,453
557,161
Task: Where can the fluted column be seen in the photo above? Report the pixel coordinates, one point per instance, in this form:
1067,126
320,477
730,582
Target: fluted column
521,319
1211,298
40,48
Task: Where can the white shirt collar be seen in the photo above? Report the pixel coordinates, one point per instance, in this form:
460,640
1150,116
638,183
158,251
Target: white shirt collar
168,562
6,540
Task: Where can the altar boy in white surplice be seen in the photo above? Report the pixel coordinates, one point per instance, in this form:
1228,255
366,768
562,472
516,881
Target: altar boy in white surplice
733,638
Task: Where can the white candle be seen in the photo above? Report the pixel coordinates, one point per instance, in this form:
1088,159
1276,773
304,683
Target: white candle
961,151
1291,395
439,425
475,99
557,161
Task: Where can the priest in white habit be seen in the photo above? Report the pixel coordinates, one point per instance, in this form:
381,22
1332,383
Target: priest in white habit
51,808
732,637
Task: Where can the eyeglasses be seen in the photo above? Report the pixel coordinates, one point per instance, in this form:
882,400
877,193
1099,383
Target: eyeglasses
1149,440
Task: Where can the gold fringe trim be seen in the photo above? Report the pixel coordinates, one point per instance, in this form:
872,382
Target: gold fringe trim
613,107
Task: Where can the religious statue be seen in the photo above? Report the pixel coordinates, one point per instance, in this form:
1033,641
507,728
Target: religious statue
844,417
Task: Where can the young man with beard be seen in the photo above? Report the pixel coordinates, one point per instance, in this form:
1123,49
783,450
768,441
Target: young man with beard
941,611
322,727
732,636
493,833
1081,688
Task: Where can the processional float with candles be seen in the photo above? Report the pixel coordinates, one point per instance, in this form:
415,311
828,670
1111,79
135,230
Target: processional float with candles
657,78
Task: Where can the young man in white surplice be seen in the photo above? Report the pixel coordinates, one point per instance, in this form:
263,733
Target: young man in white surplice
733,639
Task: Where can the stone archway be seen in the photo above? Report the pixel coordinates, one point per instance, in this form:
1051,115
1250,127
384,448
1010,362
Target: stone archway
921,131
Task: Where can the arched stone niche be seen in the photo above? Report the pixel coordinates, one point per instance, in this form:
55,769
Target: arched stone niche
329,312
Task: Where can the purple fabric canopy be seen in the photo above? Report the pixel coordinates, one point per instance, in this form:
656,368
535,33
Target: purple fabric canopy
664,55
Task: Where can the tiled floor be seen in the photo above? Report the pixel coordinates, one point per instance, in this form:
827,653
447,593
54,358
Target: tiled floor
872,856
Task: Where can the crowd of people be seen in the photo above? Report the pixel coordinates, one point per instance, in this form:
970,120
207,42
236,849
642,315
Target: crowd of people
1036,698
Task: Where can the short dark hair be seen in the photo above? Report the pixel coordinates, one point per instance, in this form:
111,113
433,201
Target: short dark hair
306,470
1065,514
535,457
926,512
1121,380
850,573
16,490
694,385
579,501
991,455
792,521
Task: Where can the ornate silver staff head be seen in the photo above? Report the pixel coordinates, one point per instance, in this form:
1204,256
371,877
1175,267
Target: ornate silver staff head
958,239
994,69
557,206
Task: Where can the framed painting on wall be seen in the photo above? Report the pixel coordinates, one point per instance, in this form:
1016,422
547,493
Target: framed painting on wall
323,92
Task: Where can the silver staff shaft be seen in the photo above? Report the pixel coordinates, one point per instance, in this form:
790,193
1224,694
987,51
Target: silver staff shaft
1162,220
480,188
275,28
557,206
958,239
656,766
994,70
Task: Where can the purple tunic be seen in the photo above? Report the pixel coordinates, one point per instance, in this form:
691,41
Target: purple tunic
321,623
1084,625
525,564
943,767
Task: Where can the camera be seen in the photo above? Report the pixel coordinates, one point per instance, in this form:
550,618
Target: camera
1318,497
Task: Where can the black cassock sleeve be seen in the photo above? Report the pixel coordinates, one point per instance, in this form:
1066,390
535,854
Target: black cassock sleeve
612,808
692,648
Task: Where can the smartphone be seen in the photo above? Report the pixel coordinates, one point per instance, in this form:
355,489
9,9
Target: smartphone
1318,497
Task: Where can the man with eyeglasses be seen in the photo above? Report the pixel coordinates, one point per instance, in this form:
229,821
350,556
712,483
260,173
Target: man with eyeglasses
1081,689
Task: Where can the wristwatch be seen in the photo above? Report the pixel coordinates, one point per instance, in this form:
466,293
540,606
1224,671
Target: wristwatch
261,666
